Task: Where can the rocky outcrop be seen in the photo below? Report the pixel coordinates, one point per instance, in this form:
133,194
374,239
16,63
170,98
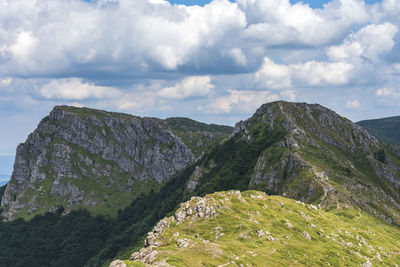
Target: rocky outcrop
323,154
79,157
197,208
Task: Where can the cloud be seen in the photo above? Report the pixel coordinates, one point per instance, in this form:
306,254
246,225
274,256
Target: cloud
272,75
23,46
279,23
370,43
322,73
138,38
76,89
189,87
244,101
388,93
310,73
353,104
5,81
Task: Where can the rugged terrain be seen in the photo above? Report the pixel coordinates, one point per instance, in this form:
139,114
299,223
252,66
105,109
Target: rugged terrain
252,229
100,161
306,152
300,151
385,129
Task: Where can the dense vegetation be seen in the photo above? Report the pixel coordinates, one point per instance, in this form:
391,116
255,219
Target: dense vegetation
386,129
80,238
53,239
186,124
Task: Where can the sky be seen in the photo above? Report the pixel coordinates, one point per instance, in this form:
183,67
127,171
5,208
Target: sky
213,61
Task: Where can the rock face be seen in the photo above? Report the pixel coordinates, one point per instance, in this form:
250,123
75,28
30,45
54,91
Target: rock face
197,208
79,157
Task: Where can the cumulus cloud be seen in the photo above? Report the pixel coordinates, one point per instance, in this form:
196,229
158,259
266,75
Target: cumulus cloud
310,73
370,42
388,93
128,38
76,89
272,75
5,81
189,87
244,101
353,104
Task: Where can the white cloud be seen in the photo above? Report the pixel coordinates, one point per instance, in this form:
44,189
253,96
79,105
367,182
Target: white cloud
388,93
272,75
5,81
278,22
321,73
310,73
238,56
370,42
239,101
23,46
76,89
189,87
353,104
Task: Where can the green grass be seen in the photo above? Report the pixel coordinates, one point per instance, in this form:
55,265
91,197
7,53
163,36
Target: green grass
338,237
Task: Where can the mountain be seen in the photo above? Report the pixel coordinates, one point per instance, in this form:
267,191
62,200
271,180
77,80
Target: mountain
300,151
251,229
386,129
100,161
305,152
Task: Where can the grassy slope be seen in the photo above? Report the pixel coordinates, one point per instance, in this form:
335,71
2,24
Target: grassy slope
341,237
386,129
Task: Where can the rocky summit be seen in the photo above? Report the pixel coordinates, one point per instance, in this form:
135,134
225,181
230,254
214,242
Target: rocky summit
316,156
100,161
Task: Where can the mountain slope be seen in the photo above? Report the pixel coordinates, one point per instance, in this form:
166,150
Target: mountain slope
100,161
317,156
252,228
386,129
301,151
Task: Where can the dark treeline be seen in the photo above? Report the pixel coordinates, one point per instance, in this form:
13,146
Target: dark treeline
78,239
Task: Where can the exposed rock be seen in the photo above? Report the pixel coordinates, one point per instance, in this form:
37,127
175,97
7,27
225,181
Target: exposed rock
306,235
114,152
118,263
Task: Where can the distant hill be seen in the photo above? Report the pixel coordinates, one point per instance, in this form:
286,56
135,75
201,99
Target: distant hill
386,129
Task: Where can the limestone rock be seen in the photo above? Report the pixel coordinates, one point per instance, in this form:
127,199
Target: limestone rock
118,263
114,152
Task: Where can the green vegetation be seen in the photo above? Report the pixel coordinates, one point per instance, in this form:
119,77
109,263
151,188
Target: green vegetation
189,125
53,239
254,228
386,129
324,167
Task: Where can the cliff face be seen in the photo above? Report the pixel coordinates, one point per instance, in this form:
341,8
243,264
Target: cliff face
85,158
